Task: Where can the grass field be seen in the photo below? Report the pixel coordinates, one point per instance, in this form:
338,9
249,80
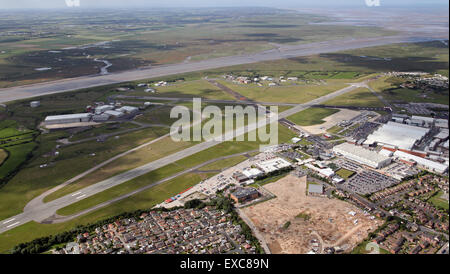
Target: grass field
362,249
223,149
312,116
361,97
71,161
143,200
286,94
194,88
149,37
219,165
3,156
344,173
439,202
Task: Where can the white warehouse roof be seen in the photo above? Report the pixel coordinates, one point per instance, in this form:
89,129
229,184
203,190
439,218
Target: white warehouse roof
273,165
362,155
68,116
398,135
434,166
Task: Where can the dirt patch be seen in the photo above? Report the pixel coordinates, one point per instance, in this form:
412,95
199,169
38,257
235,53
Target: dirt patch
329,220
331,121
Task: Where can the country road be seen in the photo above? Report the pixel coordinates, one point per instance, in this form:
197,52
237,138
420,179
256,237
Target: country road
46,88
40,212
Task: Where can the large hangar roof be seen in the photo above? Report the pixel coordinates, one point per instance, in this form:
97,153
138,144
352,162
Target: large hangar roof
399,135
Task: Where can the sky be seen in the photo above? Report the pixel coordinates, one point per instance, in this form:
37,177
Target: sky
7,4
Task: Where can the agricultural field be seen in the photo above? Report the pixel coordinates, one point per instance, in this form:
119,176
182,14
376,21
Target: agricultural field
51,45
390,89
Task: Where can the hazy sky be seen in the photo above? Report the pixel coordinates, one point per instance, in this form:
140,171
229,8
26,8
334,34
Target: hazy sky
5,4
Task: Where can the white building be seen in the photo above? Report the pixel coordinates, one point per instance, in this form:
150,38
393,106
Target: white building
324,172
272,165
252,173
114,113
361,155
128,109
425,163
102,109
68,119
35,104
397,135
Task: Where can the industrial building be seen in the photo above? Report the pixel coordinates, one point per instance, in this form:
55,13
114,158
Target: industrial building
361,155
68,119
397,135
128,109
323,172
244,194
114,113
273,165
425,163
252,173
102,109
315,189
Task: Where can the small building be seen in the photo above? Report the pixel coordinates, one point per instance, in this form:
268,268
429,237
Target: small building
239,177
128,109
253,173
244,194
114,113
35,104
102,109
315,189
100,117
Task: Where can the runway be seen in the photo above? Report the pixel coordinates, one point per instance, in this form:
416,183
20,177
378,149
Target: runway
41,212
46,88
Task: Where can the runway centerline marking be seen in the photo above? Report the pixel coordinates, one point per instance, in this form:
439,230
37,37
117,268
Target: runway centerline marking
16,223
10,220
79,197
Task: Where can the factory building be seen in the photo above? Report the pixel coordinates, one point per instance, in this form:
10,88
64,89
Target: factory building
68,119
253,173
425,163
397,135
102,109
273,165
114,113
242,195
361,155
128,109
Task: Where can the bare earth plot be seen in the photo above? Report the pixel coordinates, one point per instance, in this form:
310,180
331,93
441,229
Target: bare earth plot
331,121
329,219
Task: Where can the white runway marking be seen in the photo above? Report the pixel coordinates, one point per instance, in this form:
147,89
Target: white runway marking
81,196
10,220
75,194
16,223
